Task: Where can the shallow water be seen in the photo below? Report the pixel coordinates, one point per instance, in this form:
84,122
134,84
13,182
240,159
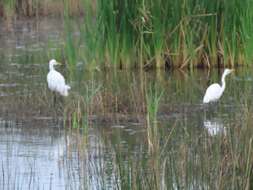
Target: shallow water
38,152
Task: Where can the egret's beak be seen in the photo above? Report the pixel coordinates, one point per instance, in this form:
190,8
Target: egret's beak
58,63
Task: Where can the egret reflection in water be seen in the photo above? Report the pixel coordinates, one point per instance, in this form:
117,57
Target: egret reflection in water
214,127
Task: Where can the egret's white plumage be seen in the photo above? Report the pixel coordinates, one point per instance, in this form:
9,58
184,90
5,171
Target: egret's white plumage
56,81
215,91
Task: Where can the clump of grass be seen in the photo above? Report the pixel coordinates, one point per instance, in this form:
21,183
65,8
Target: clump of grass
80,107
153,98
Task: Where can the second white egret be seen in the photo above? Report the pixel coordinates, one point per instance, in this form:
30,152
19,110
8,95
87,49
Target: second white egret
215,91
55,80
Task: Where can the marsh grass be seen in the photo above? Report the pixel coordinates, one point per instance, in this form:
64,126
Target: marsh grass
148,34
189,159
175,153
180,34
79,108
153,97
168,154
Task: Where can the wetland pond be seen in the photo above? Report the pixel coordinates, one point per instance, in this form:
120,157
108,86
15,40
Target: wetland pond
193,146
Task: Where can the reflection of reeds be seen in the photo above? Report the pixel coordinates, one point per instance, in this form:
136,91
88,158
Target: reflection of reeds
190,159
186,157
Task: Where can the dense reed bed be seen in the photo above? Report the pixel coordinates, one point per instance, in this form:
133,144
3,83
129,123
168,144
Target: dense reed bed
172,33
144,34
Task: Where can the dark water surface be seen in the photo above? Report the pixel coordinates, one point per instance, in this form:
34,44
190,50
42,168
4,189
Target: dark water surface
38,152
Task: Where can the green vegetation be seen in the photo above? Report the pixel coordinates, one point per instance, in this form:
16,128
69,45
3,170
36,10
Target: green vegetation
153,98
147,33
80,107
192,161
178,33
160,142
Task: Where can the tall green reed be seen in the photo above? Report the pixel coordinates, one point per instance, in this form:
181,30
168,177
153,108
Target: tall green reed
152,33
153,97
187,33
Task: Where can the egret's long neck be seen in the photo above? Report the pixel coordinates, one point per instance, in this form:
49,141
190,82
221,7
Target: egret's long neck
223,82
51,67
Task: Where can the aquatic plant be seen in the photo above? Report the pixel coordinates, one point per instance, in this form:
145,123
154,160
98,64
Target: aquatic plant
177,34
153,97
79,107
149,33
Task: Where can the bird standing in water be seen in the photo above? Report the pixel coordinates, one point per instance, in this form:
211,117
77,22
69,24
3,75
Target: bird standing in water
55,80
215,91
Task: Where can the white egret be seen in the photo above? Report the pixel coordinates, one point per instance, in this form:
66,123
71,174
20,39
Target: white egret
55,80
215,91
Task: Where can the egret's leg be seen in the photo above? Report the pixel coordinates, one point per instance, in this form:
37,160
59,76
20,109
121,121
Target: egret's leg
209,109
54,99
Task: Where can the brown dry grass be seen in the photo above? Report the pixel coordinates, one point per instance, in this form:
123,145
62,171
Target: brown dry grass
33,8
